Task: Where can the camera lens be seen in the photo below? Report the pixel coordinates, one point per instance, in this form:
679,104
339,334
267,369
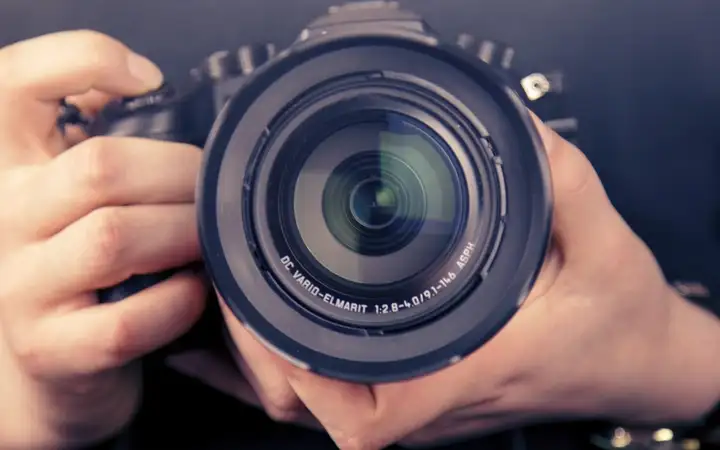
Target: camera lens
374,208
377,202
374,203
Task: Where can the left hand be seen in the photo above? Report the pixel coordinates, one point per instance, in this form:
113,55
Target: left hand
601,334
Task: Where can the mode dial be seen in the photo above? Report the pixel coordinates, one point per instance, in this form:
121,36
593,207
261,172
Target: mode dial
226,64
494,53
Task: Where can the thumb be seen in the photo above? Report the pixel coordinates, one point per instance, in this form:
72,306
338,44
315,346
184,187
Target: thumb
583,213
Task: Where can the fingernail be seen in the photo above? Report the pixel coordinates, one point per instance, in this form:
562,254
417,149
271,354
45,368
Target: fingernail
145,71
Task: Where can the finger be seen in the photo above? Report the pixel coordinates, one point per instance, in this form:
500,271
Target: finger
103,249
36,73
106,336
347,411
55,66
582,213
73,136
359,416
266,372
102,172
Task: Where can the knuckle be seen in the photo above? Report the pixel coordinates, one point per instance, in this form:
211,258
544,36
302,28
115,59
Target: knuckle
13,188
99,48
28,353
355,441
281,415
96,165
361,435
120,342
282,406
106,238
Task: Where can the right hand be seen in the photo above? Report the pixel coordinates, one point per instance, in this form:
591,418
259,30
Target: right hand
75,219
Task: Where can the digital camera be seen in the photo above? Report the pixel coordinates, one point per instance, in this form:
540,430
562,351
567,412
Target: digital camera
374,202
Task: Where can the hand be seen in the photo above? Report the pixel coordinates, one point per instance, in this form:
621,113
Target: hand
601,335
77,218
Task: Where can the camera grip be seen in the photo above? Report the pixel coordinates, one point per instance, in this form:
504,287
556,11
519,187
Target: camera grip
153,116
131,286
161,115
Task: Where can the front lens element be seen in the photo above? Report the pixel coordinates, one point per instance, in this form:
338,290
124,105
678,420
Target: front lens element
374,213
374,203
378,201
374,208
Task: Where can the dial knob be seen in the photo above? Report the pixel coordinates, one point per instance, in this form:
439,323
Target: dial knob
542,91
250,57
219,66
156,97
494,53
226,64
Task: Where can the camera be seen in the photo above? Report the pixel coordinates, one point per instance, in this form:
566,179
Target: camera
374,202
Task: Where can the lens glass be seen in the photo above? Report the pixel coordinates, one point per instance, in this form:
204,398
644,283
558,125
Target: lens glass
378,201
374,203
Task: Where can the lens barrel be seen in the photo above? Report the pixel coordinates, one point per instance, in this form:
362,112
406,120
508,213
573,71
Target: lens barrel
374,205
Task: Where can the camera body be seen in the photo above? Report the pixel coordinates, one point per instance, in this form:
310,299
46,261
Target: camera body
374,202
188,115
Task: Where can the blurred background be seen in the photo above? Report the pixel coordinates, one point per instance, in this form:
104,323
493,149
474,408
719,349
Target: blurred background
642,78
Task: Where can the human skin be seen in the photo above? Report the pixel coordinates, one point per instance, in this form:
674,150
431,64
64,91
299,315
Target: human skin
601,334
75,219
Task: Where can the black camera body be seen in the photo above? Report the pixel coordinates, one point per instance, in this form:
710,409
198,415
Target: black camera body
374,202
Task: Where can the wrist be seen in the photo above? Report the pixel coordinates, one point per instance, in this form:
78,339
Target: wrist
679,380
693,353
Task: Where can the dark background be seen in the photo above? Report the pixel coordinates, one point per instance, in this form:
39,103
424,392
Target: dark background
644,78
